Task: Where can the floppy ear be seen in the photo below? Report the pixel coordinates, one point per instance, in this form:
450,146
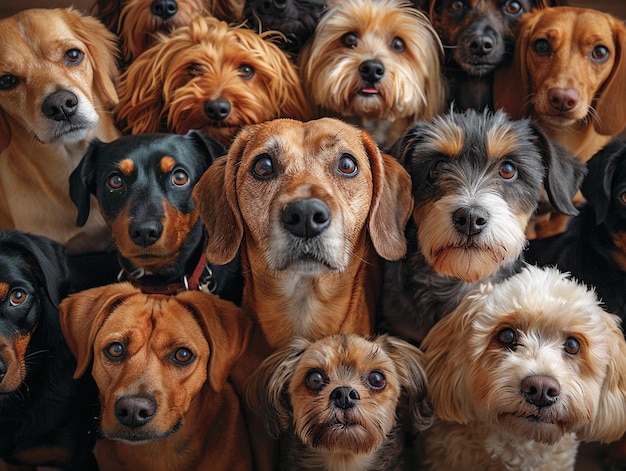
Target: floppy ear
563,173
267,388
392,202
226,328
611,114
408,360
82,182
609,423
209,147
596,187
216,200
83,313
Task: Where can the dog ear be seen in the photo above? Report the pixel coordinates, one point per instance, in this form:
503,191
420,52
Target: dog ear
226,328
5,131
82,182
610,113
609,423
392,202
408,360
215,197
209,148
267,387
563,173
596,187
83,313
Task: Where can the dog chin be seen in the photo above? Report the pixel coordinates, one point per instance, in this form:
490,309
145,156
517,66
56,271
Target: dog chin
469,264
339,436
533,428
139,436
308,266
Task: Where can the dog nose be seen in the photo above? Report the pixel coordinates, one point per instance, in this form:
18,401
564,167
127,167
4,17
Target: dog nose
306,217
563,99
164,9
540,391
135,411
218,109
481,45
344,397
60,105
145,233
276,6
470,221
372,70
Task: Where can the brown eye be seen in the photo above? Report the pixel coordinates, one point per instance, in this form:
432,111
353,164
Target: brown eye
115,351
314,380
115,181
180,178
246,72
397,45
457,7
349,40
73,56
8,81
622,197
513,8
508,171
376,380
17,296
506,337
263,167
347,166
195,70
600,53
572,346
183,355
542,47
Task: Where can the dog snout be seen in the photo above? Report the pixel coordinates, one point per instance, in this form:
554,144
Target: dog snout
135,411
482,45
372,70
60,105
274,6
541,391
344,397
145,233
164,9
563,99
217,109
306,218
470,221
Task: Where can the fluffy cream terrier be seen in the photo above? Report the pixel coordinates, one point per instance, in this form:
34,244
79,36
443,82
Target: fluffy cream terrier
375,63
521,372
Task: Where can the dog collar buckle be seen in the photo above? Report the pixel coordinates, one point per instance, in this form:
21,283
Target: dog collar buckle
207,283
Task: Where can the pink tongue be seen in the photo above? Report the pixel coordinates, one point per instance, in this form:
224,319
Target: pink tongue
369,90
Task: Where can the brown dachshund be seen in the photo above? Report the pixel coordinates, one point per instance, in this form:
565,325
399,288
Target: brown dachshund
161,364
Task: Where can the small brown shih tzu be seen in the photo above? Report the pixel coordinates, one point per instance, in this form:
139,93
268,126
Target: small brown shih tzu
341,402
521,372
375,63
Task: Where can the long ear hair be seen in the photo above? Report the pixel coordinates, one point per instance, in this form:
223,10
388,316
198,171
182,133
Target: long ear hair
611,114
108,12
392,202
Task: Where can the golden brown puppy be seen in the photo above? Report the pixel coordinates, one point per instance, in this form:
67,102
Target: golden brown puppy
56,92
209,76
569,75
161,364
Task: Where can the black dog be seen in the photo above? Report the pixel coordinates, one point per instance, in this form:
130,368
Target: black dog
478,36
593,247
44,413
143,184
477,179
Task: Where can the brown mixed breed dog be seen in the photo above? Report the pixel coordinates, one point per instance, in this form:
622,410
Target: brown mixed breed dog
161,363
56,93
209,76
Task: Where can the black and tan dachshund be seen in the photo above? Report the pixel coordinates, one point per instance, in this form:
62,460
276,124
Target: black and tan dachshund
143,185
44,412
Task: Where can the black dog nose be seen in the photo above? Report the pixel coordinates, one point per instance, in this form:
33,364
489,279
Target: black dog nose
145,233
344,397
306,217
164,9
540,391
218,109
135,411
275,6
481,45
60,105
470,221
372,70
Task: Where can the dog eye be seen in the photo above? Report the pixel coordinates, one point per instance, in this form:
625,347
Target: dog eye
541,47
435,171
314,380
115,181
376,380
397,45
263,167
246,72
195,70
622,197
457,7
183,356
513,8
600,54
180,178
115,351
17,296
73,56
508,171
572,346
347,166
8,81
349,40
506,337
